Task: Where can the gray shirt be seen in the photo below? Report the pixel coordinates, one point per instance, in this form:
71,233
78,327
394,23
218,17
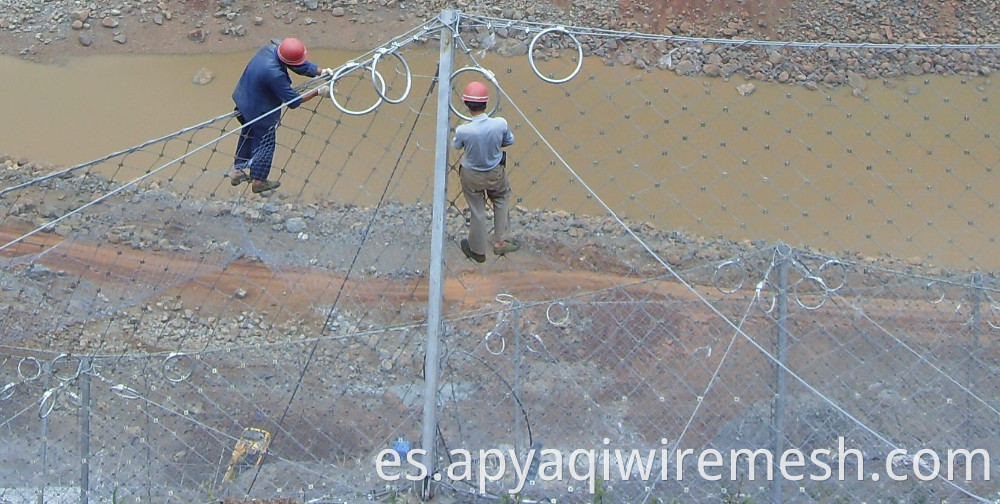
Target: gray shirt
482,138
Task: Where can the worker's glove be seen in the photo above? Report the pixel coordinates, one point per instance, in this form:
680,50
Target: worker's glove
327,72
323,91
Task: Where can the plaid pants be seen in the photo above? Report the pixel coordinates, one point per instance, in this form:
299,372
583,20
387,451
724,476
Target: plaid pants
255,149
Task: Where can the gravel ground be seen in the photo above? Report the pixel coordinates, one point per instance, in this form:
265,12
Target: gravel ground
206,26
952,21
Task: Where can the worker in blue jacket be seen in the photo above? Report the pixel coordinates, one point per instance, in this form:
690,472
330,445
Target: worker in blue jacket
264,86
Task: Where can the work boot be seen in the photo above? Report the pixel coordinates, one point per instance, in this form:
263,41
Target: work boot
467,250
260,186
507,247
238,177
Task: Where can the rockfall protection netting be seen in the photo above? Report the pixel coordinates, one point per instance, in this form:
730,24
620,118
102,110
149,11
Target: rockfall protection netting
159,324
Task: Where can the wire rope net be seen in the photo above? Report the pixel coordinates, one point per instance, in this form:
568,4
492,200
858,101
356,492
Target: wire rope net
712,257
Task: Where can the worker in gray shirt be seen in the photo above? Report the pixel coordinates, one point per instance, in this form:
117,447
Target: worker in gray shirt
484,174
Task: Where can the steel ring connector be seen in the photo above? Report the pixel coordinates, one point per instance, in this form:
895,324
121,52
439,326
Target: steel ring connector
21,372
557,322
63,378
527,343
579,52
505,299
994,309
170,374
503,344
333,96
8,391
931,285
843,277
489,76
377,77
819,281
125,392
726,266
47,403
762,288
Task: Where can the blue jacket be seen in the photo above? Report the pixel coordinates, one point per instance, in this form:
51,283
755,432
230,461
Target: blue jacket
265,84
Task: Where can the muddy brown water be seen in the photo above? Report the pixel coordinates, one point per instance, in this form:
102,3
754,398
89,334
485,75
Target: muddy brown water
907,170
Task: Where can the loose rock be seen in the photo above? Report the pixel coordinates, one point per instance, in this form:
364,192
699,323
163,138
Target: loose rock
295,225
197,35
203,76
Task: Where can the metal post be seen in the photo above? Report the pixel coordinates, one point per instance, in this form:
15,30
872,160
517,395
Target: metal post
45,441
85,432
518,420
780,376
975,300
436,269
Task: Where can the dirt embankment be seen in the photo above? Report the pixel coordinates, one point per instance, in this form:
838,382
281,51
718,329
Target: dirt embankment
46,31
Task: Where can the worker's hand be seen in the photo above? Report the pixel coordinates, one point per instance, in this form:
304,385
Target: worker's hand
327,72
323,91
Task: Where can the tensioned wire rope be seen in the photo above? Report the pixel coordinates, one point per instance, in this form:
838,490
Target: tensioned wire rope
394,44
350,269
528,27
685,283
422,30
333,309
356,256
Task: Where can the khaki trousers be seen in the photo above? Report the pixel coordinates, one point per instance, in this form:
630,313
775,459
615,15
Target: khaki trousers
478,186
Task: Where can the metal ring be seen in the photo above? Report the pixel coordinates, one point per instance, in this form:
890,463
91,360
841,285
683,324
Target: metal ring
38,369
333,97
782,249
561,322
843,280
8,391
489,76
506,299
579,51
125,392
409,76
49,397
989,320
181,377
75,375
795,291
761,286
503,344
527,345
730,264
928,287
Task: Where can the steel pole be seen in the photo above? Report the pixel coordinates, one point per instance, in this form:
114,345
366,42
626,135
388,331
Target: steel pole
85,432
436,269
780,376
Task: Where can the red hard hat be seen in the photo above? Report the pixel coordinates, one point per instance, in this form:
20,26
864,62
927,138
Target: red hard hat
292,52
476,92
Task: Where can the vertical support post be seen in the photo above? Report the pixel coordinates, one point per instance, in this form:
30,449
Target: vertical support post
85,432
975,300
518,342
45,441
436,269
778,431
